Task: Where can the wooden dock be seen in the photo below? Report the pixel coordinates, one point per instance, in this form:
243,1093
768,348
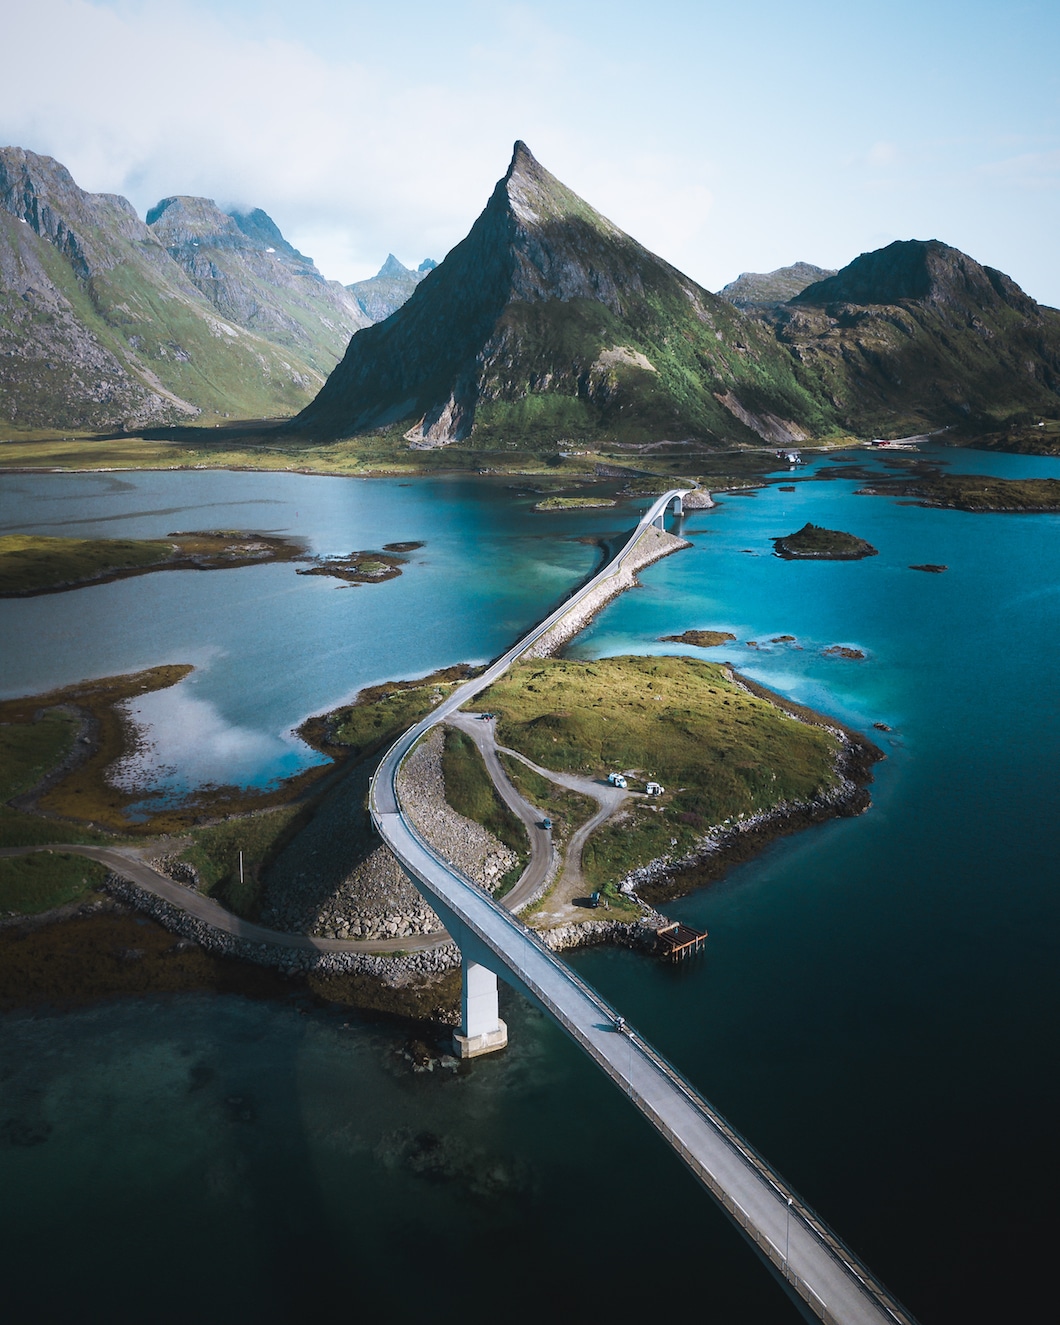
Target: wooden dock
675,941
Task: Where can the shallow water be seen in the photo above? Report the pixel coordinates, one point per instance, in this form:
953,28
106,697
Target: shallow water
876,1011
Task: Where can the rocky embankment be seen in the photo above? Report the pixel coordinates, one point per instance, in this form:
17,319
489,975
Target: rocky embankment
337,880
396,970
653,545
471,848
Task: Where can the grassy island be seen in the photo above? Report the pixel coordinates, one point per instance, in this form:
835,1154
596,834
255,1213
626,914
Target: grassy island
811,542
724,753
573,503
982,494
32,564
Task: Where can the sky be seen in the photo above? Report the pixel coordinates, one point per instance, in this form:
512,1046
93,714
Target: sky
725,136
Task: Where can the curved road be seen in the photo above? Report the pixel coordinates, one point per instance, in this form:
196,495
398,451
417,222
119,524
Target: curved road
824,1279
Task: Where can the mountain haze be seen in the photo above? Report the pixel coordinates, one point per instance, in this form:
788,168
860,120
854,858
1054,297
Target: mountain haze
548,322
241,263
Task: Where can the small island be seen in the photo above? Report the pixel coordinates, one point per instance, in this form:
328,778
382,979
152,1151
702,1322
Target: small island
811,542
32,564
360,567
702,639
932,567
573,503
843,651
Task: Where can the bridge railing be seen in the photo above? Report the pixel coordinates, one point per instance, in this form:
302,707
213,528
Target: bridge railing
800,1210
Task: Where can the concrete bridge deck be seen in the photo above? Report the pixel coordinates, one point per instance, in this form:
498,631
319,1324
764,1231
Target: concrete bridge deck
824,1279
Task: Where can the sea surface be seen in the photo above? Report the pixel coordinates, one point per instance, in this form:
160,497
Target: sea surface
876,1011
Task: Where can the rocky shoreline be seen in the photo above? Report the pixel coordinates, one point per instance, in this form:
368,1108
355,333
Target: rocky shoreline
725,845
653,545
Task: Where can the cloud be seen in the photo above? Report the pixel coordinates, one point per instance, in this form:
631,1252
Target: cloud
188,742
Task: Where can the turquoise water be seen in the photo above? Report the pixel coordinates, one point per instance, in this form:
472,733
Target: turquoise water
877,1011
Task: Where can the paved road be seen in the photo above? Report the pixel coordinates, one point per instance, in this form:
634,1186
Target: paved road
824,1278
608,797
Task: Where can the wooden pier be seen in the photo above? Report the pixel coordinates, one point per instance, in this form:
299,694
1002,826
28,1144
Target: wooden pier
675,941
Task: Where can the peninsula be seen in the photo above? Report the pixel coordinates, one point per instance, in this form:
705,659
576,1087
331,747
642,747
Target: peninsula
32,564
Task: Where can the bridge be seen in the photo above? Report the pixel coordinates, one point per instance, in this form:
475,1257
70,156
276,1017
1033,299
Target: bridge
824,1279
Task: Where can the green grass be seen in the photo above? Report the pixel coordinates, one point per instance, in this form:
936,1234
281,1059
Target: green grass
215,854
470,792
381,713
29,561
720,752
28,750
573,503
46,879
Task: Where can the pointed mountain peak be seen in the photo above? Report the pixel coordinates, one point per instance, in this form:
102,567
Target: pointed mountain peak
523,161
392,267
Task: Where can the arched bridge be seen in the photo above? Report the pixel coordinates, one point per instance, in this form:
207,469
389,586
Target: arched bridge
824,1279
674,498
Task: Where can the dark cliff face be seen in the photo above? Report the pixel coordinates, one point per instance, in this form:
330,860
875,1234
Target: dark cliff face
548,321
918,334
243,265
924,270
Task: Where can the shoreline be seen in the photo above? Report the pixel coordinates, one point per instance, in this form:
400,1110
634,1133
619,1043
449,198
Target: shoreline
401,978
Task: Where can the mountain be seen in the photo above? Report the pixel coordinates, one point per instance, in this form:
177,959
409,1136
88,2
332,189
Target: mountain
385,292
100,328
918,334
245,268
547,322
752,289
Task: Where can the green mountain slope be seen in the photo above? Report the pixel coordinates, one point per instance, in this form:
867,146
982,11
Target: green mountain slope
100,328
385,292
243,265
918,334
546,323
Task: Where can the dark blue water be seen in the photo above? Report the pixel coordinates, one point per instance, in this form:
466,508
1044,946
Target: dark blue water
877,1011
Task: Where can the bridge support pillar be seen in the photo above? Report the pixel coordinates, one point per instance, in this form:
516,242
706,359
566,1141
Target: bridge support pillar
481,1029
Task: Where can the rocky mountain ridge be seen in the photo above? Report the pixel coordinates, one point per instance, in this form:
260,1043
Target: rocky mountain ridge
109,322
385,292
919,335
241,263
100,328
754,289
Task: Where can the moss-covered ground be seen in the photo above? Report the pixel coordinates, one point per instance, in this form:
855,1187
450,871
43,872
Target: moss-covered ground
46,879
721,753
214,853
978,493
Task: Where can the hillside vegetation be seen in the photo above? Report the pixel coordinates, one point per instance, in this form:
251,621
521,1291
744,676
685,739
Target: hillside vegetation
720,752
